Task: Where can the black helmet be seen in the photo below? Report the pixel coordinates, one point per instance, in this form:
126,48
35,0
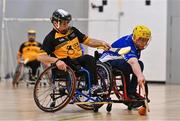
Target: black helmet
60,14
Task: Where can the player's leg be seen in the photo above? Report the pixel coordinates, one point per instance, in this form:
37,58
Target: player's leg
89,63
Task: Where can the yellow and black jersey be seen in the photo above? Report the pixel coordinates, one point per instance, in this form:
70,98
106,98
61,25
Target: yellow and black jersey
64,45
29,50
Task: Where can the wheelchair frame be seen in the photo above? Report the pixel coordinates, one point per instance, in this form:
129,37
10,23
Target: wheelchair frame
83,98
120,90
20,73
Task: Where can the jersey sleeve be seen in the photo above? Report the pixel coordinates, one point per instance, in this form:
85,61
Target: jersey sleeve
47,46
129,55
120,43
126,41
81,37
21,47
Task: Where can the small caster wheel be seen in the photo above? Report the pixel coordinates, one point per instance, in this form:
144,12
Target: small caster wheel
95,108
52,105
129,107
44,84
109,107
17,84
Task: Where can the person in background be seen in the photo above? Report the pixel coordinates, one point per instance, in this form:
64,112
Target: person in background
28,52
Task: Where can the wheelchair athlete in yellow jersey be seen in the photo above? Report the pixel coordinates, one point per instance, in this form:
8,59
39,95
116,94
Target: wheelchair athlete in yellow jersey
63,45
27,55
61,49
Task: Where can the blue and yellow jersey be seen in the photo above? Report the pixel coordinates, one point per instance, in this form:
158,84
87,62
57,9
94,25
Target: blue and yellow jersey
64,45
29,50
126,41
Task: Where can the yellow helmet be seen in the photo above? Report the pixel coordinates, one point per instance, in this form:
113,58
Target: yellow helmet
142,32
31,31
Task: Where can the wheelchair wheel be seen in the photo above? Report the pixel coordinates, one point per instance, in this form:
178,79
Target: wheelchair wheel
119,85
17,74
106,75
105,81
120,90
52,93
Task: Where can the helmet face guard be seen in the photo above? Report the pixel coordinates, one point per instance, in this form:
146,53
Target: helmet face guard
141,36
142,43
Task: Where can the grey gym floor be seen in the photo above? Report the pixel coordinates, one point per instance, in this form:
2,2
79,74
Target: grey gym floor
18,105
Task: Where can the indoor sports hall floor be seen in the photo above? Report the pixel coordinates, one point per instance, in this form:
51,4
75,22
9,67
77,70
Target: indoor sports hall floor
18,105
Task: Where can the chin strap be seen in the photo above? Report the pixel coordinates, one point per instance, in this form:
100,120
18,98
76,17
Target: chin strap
57,29
58,25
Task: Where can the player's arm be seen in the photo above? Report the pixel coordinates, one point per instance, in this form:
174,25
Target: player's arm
46,50
19,53
97,43
90,41
137,70
44,58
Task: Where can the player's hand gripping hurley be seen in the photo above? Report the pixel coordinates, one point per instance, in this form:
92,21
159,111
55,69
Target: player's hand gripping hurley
146,99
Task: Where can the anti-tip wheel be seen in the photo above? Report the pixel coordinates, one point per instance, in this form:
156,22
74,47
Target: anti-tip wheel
109,107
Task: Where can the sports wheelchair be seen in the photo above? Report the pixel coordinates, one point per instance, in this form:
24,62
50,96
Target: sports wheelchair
119,86
22,72
54,89
120,90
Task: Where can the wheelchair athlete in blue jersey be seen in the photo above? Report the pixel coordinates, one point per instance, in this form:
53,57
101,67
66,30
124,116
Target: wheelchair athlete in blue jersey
131,64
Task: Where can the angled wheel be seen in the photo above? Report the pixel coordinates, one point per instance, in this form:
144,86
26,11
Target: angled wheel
17,75
119,87
54,89
105,81
109,107
120,90
119,82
